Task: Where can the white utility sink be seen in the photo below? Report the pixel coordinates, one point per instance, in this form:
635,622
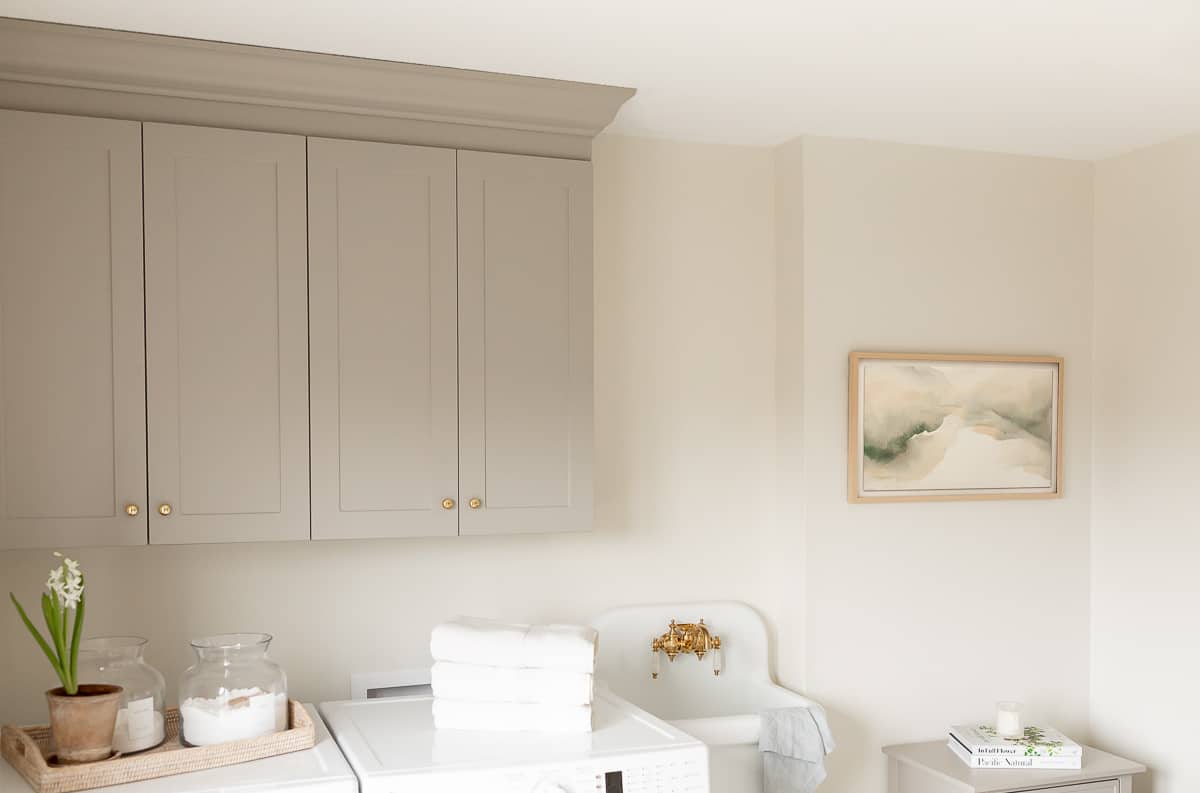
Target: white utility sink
721,710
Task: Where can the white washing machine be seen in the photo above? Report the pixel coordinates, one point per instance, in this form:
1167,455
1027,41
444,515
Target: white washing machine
321,769
393,748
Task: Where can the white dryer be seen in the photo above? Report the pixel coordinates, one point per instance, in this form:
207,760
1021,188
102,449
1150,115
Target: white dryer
393,748
321,769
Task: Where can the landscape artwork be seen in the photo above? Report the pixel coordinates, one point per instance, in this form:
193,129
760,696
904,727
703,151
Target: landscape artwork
926,427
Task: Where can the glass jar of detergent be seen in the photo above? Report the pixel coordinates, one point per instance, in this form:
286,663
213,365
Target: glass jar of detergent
233,692
119,660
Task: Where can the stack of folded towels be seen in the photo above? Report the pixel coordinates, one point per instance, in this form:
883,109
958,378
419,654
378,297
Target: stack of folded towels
513,678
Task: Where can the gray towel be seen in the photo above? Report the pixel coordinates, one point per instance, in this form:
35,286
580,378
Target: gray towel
794,742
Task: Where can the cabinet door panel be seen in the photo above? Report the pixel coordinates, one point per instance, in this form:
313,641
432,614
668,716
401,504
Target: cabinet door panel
525,292
226,287
383,324
72,375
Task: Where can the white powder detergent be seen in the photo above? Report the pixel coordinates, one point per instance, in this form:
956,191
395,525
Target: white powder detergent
139,726
232,716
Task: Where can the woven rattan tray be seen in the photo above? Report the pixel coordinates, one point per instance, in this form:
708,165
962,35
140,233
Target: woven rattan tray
27,749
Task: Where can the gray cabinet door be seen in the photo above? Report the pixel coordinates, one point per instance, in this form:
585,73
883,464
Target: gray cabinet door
72,378
525,343
227,330
383,319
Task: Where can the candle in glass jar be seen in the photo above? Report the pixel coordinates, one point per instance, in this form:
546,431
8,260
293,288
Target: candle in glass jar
1008,720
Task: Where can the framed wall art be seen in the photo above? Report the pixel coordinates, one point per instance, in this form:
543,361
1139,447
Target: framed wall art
949,427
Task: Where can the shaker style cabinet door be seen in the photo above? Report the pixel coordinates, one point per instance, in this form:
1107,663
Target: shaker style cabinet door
72,378
227,332
525,343
383,340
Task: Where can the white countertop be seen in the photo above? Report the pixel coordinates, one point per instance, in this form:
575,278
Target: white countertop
321,769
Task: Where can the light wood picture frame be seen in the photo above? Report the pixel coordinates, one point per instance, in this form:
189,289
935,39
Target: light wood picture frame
944,427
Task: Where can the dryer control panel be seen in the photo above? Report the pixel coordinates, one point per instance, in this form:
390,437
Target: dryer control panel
673,771
676,771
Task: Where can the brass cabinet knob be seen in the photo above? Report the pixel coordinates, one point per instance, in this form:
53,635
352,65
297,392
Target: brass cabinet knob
164,510
132,510
475,503
447,503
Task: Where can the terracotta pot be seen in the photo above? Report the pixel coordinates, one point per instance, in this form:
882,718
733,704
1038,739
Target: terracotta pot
82,725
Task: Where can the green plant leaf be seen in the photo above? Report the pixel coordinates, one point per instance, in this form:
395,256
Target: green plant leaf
54,621
76,638
51,617
36,635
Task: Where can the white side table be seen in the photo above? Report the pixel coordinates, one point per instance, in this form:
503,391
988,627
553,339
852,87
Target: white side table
932,768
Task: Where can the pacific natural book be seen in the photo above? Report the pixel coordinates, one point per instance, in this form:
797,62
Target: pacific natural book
1039,747
1015,761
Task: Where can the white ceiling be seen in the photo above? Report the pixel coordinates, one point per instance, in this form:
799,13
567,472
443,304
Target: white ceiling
1068,78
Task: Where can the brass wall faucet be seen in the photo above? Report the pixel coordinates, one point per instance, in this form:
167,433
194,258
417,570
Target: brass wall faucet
687,637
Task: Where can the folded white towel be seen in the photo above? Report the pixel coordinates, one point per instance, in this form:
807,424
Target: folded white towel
468,640
472,683
449,714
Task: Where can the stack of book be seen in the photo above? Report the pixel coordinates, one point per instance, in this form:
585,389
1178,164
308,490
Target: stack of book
1039,747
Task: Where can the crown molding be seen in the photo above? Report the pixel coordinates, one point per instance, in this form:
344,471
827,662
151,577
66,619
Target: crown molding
157,73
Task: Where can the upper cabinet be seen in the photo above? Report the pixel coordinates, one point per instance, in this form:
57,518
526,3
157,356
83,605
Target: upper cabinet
451,341
72,383
210,335
525,343
227,335
383,325
165,289
214,335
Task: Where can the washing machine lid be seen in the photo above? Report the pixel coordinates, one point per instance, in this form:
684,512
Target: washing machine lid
321,769
388,737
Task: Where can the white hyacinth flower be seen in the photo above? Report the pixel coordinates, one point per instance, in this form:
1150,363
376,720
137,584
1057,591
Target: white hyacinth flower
66,581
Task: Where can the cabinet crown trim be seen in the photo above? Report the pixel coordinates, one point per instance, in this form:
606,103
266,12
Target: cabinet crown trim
166,66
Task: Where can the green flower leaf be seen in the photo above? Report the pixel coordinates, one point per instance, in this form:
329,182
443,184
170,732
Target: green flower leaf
54,622
36,635
76,639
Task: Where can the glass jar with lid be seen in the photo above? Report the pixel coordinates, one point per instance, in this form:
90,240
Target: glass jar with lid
234,691
120,660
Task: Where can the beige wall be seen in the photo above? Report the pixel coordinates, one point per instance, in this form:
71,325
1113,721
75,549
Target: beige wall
1146,540
913,248
685,460
730,285
789,557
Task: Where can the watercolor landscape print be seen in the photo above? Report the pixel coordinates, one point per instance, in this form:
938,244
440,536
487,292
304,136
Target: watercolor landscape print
927,427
